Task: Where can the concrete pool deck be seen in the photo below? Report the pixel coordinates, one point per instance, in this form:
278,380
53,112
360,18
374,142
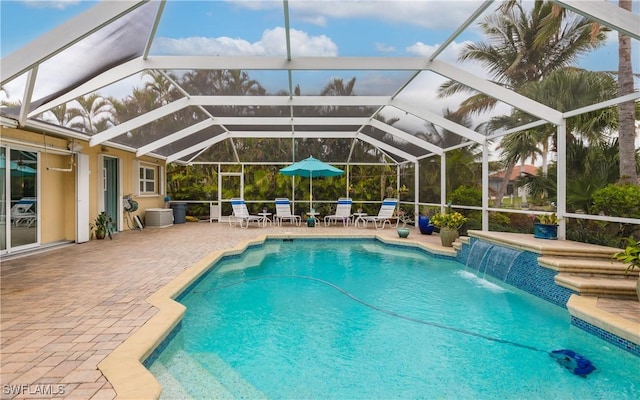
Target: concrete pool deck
64,311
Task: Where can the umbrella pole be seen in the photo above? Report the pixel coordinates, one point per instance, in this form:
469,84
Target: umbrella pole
310,191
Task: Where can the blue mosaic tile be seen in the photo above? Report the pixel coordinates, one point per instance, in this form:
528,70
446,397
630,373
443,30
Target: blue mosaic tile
607,336
526,274
160,348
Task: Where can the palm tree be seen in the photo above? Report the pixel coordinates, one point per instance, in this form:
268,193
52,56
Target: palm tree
460,161
61,115
522,47
626,112
160,86
337,87
93,109
517,147
565,89
238,82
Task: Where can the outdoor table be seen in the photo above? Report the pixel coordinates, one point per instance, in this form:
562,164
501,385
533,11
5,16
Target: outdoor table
265,218
358,219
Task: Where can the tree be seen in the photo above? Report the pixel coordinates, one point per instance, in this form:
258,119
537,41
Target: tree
626,112
524,47
564,89
160,87
460,162
518,146
61,115
337,87
93,109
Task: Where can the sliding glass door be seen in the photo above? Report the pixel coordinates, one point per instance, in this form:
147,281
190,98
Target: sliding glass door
19,199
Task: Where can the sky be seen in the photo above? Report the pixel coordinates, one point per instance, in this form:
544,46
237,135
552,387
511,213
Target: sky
318,28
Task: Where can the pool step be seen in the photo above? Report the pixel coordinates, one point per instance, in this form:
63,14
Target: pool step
586,266
229,377
250,259
201,384
460,240
375,248
171,387
589,276
599,287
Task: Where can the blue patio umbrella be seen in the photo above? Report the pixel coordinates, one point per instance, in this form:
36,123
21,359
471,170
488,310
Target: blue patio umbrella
310,168
17,169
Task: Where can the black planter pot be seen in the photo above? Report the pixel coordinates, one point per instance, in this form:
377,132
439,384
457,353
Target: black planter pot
424,225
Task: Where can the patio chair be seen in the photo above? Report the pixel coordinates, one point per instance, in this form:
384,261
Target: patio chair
22,213
283,212
342,214
384,215
241,214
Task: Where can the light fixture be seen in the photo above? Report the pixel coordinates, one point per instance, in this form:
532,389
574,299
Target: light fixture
75,147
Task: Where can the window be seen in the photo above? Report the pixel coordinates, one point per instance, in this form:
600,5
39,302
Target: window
149,182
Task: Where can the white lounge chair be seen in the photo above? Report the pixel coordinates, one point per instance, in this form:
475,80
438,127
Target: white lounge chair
384,215
283,212
342,214
22,213
241,214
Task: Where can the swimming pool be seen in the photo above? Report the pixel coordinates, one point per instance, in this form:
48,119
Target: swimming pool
358,319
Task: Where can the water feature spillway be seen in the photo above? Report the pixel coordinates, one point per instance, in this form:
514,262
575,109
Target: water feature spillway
496,261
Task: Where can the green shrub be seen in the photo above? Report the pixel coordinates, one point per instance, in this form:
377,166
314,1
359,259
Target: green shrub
618,201
467,196
499,219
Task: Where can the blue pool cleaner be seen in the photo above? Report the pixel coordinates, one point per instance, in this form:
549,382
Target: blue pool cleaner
573,361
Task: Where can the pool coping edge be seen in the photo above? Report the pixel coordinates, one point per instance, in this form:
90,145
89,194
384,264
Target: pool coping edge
585,308
124,368
130,379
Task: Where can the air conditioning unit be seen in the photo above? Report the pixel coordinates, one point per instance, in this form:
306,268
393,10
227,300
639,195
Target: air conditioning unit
158,217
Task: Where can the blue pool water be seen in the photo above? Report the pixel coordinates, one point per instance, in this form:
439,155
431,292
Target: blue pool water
353,319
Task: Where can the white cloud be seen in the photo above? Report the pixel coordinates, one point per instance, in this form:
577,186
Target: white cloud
271,43
318,20
199,45
57,4
385,48
425,13
450,54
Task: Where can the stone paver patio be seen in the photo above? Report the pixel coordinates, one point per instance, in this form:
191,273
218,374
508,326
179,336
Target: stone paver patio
64,310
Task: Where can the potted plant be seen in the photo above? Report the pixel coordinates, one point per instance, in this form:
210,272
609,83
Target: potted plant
630,256
449,222
403,231
546,226
102,225
424,222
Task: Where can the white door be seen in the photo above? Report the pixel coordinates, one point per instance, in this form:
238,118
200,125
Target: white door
82,198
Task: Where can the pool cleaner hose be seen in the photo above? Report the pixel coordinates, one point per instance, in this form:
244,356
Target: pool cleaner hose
574,362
